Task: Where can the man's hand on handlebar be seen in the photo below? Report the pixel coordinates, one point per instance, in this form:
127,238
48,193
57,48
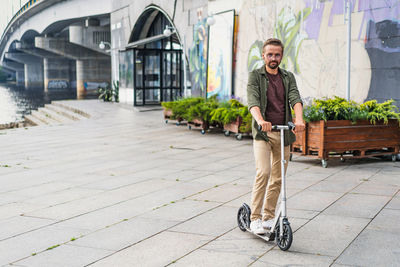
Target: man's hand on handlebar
300,126
266,126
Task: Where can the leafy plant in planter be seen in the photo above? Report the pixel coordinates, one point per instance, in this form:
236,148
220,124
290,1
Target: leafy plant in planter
336,127
180,107
201,110
338,108
234,116
108,93
380,112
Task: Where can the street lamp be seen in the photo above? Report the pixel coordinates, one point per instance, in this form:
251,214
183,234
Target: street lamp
168,31
103,44
210,20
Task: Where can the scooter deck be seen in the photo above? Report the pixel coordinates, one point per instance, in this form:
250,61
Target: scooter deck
268,236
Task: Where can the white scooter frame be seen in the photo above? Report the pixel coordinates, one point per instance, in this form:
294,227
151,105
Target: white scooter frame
280,230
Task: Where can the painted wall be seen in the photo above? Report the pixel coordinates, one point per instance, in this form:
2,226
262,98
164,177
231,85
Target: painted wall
315,35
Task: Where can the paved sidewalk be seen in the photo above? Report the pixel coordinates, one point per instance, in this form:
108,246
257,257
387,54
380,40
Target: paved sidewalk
125,189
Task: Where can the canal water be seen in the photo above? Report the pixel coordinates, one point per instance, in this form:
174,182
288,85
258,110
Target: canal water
16,102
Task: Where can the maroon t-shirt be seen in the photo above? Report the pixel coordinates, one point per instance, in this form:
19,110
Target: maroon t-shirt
275,112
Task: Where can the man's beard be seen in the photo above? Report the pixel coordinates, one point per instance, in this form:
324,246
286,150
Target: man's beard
273,66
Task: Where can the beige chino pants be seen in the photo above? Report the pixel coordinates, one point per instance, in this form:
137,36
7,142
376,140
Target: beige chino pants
268,176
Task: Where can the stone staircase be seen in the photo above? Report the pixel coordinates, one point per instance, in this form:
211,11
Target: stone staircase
54,114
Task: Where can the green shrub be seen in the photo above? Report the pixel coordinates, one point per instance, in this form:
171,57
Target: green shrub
180,107
338,108
201,110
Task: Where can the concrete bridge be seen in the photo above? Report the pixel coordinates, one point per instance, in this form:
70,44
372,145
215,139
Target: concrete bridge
53,44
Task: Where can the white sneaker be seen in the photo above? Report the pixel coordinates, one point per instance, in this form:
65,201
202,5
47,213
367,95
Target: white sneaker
256,227
268,224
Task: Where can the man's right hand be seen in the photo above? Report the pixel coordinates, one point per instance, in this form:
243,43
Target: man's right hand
266,126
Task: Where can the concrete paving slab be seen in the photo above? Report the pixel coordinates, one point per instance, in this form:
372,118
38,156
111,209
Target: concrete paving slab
358,205
237,243
78,207
64,256
137,147
203,257
373,248
21,224
302,214
124,234
158,250
180,210
327,235
212,223
394,203
7,198
36,241
335,186
387,179
216,179
375,188
222,193
17,209
276,257
63,196
312,200
41,189
238,202
387,220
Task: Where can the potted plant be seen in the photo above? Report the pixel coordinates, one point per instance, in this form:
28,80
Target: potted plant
234,116
176,110
339,128
199,115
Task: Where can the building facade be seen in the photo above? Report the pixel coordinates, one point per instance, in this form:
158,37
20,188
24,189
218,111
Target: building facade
203,58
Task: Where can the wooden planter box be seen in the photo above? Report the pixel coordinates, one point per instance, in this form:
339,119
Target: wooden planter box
343,139
167,117
234,127
199,124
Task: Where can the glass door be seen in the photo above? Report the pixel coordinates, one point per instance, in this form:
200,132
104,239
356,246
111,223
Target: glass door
157,76
171,78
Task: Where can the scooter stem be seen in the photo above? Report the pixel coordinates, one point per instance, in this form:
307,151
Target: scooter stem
283,161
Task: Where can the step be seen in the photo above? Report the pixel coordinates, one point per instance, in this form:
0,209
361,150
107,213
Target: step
55,115
46,119
73,109
64,112
33,120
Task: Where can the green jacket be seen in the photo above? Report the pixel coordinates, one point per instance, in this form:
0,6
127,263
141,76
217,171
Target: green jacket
257,87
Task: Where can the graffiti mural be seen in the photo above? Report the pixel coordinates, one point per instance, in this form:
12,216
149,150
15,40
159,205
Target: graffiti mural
198,59
287,29
220,56
57,84
315,35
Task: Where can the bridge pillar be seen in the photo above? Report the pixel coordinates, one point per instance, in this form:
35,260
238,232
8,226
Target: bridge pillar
57,73
20,77
33,69
91,74
93,68
19,71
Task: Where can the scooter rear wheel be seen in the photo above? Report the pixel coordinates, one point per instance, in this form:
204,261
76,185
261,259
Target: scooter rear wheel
285,241
243,217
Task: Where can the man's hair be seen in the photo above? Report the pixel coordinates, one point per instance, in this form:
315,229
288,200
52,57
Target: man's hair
273,41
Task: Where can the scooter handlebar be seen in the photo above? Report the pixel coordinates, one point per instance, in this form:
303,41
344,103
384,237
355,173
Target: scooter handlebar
289,126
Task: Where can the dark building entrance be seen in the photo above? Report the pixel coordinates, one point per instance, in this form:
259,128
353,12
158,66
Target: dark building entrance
157,60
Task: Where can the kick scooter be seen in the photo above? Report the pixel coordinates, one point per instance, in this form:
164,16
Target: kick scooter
280,230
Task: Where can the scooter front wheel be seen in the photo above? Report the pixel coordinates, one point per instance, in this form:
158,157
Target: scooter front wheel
243,217
285,241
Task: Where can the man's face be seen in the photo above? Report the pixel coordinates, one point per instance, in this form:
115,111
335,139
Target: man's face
272,56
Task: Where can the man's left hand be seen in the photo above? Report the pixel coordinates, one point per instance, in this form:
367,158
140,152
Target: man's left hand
300,126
